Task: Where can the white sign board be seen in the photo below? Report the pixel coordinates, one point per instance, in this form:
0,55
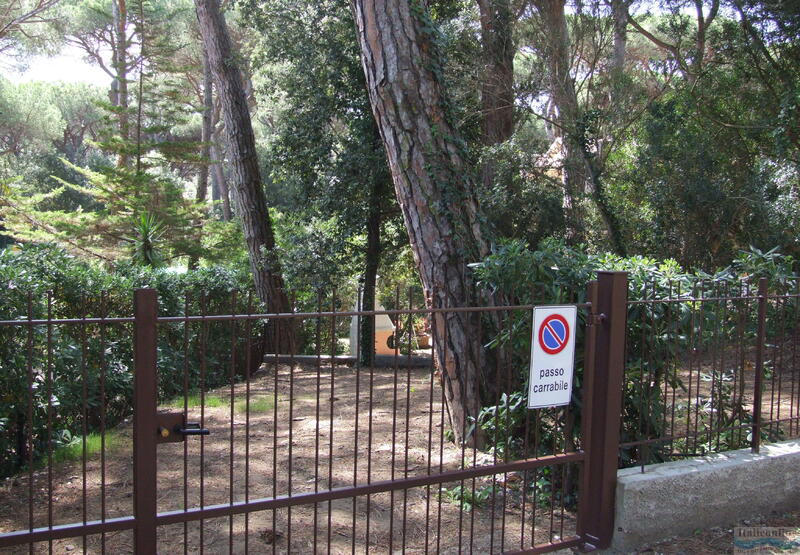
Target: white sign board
552,356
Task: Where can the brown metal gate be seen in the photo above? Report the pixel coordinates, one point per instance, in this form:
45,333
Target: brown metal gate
302,454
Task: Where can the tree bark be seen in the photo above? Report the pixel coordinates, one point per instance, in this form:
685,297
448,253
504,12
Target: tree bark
372,259
120,85
218,177
556,51
201,193
248,193
497,88
206,130
619,14
433,184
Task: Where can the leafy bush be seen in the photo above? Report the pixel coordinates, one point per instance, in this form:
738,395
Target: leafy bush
66,363
658,334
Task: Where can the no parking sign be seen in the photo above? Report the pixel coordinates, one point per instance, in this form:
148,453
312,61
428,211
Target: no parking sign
552,356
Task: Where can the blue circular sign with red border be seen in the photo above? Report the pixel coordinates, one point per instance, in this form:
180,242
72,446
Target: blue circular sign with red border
553,334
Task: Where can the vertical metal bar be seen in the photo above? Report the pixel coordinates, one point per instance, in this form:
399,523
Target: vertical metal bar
526,453
691,447
722,331
588,404
698,347
203,364
651,361
275,328
408,412
777,367
49,389
643,356
290,483
477,393
674,373
248,368
668,407
331,401
536,445
103,296
498,387
755,441
318,343
601,424
185,392
744,309
84,417
231,445
462,494
505,319
30,416
355,421
431,385
369,448
794,410
145,306
394,414
440,343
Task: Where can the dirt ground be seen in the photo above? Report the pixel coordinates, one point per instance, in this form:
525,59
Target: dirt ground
720,540
321,444
692,408
318,444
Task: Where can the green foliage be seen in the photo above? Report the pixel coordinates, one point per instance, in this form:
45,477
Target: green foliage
257,404
660,335
503,424
682,189
521,202
149,233
67,362
71,447
467,497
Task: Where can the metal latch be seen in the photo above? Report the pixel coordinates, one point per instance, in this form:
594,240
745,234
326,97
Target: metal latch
173,427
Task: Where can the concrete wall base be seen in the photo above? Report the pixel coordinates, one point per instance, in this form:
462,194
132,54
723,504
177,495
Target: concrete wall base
677,498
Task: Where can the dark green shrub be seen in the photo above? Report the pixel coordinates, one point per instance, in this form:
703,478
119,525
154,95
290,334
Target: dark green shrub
66,363
660,336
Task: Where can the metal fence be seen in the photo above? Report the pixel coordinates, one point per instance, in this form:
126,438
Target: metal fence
711,366
184,432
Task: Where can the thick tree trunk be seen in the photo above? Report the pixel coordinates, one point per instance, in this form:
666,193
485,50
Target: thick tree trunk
206,130
372,259
215,197
248,194
221,183
581,167
120,86
433,184
497,88
603,206
201,193
562,88
619,14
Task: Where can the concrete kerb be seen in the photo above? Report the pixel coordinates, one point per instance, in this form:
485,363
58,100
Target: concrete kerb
677,498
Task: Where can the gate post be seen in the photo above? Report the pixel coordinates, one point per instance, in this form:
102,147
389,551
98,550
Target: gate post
603,406
145,406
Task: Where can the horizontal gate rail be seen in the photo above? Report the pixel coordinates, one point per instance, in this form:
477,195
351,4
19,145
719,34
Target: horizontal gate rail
344,314
62,321
565,543
61,531
228,509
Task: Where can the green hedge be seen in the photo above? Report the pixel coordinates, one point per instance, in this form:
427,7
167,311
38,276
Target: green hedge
658,334
42,280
